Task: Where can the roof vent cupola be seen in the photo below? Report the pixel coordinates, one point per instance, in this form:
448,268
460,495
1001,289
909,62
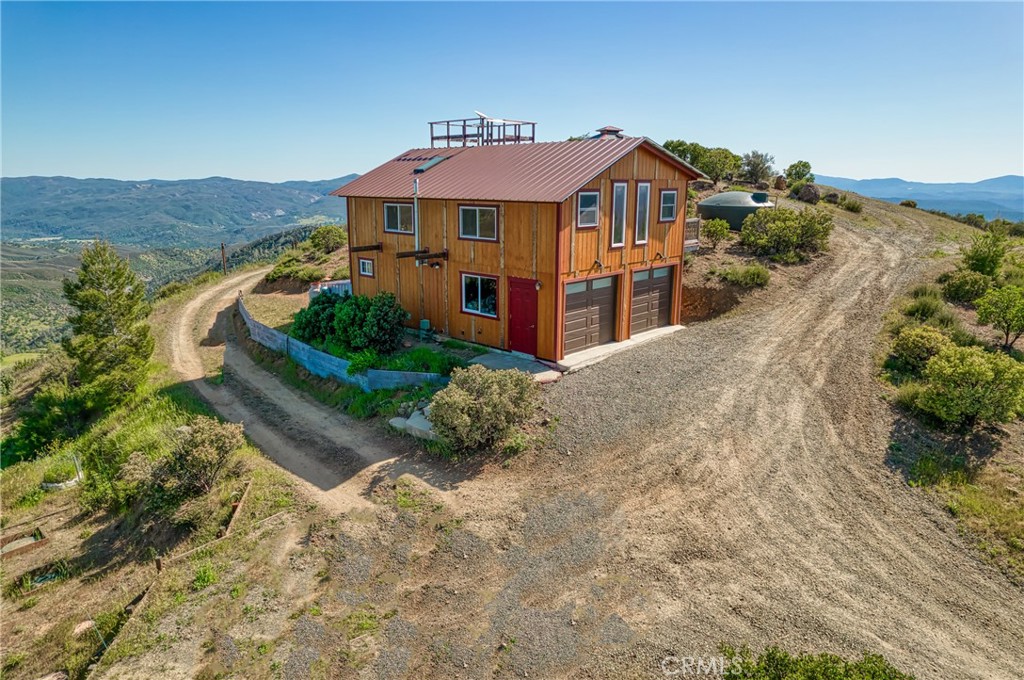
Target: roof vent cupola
609,131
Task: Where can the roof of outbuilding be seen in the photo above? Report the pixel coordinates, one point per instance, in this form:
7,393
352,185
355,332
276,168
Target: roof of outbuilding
541,172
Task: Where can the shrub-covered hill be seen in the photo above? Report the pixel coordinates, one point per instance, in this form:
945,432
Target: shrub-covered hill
162,213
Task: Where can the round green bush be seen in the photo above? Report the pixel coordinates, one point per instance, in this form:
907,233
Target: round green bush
966,385
963,285
480,407
716,231
915,345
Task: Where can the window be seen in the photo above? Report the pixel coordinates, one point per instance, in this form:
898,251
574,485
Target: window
365,267
588,204
478,223
618,215
480,295
643,209
668,205
398,218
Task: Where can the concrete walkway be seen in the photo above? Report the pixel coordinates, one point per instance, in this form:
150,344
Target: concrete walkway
589,357
498,361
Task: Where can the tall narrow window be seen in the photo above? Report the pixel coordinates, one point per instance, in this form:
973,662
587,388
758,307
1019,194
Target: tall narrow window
398,218
669,198
478,223
643,209
618,215
588,203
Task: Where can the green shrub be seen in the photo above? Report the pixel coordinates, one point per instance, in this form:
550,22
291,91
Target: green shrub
369,323
362,360
915,345
926,290
795,187
203,451
170,289
716,231
851,204
965,285
965,385
776,664
986,252
61,470
329,238
907,395
341,273
748,276
945,318
1003,308
908,203
315,323
923,308
782,231
425,360
480,407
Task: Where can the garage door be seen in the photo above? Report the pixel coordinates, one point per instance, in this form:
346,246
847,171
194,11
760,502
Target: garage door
590,313
652,299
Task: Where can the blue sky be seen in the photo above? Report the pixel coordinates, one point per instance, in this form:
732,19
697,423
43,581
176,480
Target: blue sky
275,91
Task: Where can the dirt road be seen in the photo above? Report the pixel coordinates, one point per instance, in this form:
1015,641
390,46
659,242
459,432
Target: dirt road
333,458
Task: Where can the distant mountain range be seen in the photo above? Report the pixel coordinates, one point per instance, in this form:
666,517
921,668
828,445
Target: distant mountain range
189,213
996,197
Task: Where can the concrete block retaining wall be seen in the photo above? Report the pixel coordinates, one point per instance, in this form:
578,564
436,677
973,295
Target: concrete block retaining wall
328,366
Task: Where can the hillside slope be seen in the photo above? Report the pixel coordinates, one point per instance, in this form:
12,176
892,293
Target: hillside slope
162,213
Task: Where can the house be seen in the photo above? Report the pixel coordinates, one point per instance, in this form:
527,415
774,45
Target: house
544,248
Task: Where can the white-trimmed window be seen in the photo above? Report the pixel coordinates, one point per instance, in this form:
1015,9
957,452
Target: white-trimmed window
480,295
643,211
588,204
366,267
619,214
669,205
478,222
398,218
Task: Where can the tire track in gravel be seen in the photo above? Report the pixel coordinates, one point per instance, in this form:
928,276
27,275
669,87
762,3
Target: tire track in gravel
333,458
762,511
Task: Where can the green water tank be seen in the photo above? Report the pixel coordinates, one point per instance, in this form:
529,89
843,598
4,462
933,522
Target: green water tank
733,206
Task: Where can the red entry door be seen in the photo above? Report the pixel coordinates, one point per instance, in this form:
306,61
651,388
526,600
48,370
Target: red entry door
522,315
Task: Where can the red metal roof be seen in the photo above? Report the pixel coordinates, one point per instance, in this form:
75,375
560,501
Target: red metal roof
541,172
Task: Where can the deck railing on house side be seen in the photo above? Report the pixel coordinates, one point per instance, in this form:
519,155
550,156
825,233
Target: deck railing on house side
691,235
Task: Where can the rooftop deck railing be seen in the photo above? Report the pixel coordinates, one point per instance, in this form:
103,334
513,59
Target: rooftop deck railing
480,132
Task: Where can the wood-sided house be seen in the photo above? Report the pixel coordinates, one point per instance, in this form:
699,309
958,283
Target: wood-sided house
541,248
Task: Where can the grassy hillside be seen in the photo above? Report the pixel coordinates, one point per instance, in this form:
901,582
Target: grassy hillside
162,213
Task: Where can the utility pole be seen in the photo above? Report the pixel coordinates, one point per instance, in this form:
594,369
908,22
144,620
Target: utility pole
223,259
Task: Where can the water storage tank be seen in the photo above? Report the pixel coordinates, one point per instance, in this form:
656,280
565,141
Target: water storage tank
732,206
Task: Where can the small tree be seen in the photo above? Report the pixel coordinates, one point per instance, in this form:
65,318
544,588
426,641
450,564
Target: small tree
329,238
757,166
719,163
965,385
916,345
480,407
908,203
801,170
110,342
716,231
691,152
1003,308
986,252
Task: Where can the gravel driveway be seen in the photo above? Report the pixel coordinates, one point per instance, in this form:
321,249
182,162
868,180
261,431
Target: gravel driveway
748,454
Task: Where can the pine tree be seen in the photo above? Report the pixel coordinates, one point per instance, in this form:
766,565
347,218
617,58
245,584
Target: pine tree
110,342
